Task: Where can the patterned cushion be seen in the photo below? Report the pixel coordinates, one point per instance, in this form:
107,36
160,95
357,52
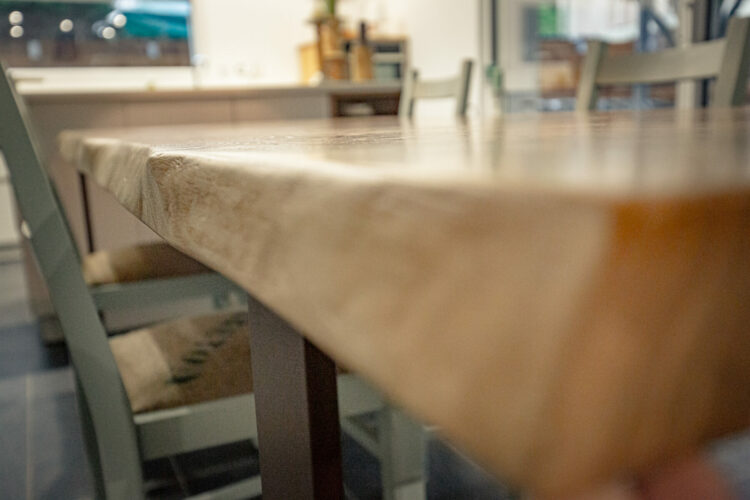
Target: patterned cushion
152,261
186,361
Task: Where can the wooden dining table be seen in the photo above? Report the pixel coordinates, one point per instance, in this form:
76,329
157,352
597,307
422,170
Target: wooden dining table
564,296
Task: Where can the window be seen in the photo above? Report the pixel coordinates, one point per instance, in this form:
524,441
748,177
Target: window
95,33
543,45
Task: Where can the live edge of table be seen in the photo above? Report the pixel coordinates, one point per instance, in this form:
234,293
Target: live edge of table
564,296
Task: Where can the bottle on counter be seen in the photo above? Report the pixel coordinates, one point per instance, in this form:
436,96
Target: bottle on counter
360,63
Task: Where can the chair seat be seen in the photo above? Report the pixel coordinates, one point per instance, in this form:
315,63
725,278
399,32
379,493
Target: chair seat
138,263
186,361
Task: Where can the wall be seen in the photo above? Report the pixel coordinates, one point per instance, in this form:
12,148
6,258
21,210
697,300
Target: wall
256,42
251,39
442,33
259,39
236,42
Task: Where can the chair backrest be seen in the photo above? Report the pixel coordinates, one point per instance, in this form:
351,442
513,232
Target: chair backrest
456,88
58,261
725,59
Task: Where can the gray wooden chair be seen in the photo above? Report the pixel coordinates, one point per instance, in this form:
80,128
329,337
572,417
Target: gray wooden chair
725,59
456,88
148,274
170,388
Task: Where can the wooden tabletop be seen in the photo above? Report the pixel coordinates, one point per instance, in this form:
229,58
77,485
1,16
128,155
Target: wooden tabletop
565,296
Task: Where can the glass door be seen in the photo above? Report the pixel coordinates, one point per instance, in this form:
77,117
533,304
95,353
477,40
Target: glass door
536,48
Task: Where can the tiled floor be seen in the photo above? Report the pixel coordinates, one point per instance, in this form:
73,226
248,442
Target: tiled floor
42,450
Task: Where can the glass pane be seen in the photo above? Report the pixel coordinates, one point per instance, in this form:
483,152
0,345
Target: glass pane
95,33
542,44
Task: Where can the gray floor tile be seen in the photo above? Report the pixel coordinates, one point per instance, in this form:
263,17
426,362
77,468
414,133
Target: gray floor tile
216,467
53,382
13,435
453,476
60,468
731,456
22,352
14,309
361,471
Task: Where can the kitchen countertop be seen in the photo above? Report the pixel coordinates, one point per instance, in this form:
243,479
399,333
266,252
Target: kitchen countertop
36,93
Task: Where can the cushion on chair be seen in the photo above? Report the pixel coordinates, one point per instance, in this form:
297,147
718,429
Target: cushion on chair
152,261
186,361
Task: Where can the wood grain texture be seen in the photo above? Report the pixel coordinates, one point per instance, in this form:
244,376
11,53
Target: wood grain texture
564,295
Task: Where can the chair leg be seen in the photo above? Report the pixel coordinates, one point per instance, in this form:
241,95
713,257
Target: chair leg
403,454
125,483
89,441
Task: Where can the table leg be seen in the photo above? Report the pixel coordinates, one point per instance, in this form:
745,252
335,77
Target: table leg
86,212
299,436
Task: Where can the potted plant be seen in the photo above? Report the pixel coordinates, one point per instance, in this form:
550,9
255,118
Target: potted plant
324,9
331,6
330,49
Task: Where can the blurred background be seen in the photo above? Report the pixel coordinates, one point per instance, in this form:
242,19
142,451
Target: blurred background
528,53
530,50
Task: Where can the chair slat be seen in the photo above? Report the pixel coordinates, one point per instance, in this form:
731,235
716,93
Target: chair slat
436,89
699,61
456,88
731,84
725,59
